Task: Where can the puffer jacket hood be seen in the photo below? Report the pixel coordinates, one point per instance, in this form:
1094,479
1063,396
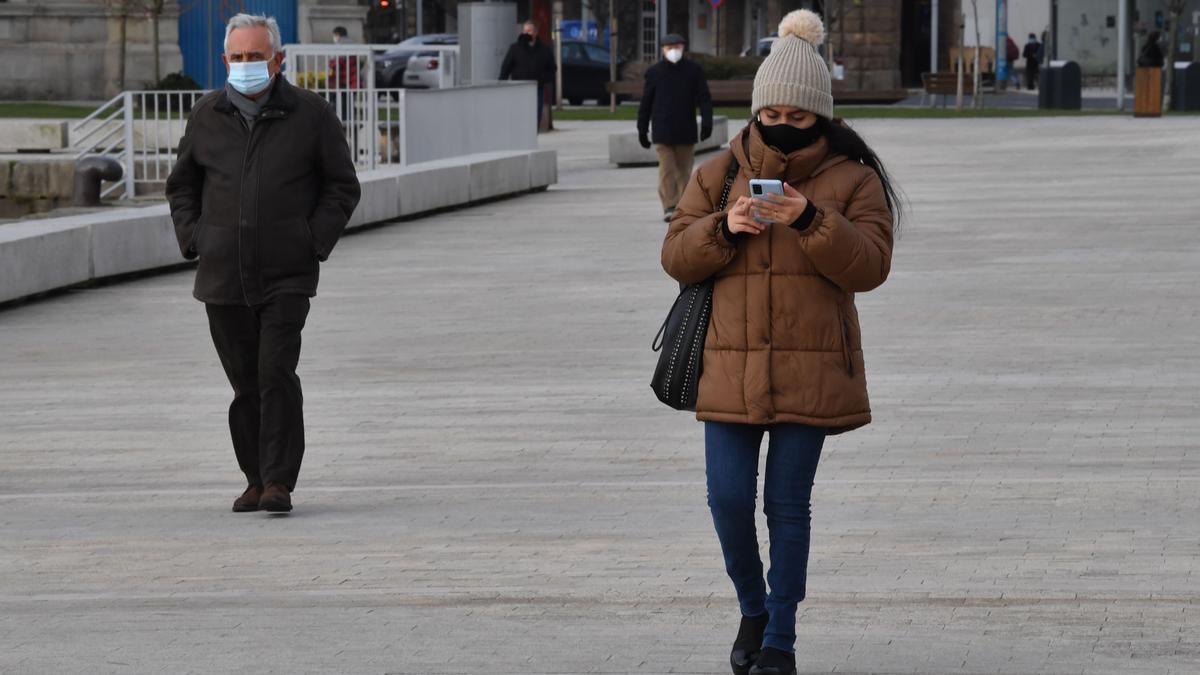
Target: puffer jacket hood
783,343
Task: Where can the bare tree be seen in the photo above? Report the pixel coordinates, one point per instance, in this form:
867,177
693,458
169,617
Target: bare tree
1175,12
154,12
834,14
962,39
977,79
122,10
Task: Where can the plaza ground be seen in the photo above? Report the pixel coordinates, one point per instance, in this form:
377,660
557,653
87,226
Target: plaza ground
491,488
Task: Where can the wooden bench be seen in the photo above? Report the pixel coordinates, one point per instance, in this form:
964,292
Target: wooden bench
946,84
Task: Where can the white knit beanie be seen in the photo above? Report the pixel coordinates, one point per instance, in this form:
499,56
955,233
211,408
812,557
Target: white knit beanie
794,74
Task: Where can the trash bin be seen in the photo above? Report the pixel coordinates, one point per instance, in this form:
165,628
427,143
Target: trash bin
1060,86
1147,92
1185,92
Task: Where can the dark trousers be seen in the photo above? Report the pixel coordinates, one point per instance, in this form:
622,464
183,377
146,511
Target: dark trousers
541,102
260,348
1031,74
731,463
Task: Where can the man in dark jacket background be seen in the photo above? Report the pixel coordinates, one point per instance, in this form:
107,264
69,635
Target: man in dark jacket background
530,59
1033,57
263,187
675,87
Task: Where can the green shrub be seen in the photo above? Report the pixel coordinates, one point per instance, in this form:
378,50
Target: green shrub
177,82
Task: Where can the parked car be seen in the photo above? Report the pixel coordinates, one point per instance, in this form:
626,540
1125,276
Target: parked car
585,72
390,66
763,48
424,71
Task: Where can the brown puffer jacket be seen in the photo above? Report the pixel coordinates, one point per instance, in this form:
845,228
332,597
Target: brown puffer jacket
783,344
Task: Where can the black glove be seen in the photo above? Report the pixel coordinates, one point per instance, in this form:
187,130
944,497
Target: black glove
644,139
705,130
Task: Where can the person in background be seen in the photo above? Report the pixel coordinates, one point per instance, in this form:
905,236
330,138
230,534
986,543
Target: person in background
1032,54
1012,54
532,60
1151,55
343,76
675,88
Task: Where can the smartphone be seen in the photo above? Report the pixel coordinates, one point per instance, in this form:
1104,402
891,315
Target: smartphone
760,187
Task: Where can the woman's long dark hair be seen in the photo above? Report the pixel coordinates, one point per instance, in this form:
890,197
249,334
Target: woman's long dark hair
845,141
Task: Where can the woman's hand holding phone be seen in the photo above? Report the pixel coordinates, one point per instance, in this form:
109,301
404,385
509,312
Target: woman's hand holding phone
778,210
740,220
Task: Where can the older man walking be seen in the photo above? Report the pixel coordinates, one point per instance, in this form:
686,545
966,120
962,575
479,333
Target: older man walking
262,190
675,87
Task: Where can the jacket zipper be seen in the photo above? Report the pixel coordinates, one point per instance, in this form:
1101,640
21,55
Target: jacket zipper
241,201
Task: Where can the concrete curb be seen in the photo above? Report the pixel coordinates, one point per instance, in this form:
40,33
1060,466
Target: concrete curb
54,253
625,151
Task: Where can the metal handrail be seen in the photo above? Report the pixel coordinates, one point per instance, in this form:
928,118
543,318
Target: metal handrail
116,99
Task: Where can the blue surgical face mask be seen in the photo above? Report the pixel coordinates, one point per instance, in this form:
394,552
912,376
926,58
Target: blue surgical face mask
249,78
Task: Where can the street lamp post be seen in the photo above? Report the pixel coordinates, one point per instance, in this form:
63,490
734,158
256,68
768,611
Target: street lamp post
933,38
1122,39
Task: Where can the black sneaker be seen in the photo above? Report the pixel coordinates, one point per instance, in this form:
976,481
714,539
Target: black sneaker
774,662
748,643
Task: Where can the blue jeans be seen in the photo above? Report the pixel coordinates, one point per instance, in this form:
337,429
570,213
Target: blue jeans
731,457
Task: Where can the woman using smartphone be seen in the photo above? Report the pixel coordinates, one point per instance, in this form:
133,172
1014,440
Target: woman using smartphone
783,353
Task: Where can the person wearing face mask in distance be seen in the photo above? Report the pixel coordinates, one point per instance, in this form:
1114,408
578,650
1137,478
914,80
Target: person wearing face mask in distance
783,353
675,87
343,76
530,59
262,189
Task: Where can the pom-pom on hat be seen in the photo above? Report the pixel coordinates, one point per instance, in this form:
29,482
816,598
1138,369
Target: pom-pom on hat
794,74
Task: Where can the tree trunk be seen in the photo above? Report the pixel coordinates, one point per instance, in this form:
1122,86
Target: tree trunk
962,39
977,77
124,37
155,15
1175,11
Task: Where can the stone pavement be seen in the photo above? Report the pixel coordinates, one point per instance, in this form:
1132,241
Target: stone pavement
491,488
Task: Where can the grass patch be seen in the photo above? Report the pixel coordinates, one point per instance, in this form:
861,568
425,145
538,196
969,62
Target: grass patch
629,112
45,110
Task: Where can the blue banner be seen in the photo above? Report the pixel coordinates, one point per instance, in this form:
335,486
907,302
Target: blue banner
1001,43
573,30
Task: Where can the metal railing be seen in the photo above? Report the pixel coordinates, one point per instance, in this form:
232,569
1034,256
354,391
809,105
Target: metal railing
142,129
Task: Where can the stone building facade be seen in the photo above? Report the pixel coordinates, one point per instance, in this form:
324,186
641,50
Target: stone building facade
70,49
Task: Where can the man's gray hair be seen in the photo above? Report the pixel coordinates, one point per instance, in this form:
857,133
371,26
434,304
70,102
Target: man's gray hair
251,20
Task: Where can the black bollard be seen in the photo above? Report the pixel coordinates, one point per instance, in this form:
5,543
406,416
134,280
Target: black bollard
89,172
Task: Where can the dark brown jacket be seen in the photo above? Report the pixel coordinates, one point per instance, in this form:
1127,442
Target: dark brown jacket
783,343
261,205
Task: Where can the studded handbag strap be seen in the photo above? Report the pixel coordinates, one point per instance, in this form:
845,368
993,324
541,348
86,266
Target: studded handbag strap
730,176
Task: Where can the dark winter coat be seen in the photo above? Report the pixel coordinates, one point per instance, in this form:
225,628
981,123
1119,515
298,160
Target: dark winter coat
783,342
532,62
1151,56
1032,53
261,205
672,93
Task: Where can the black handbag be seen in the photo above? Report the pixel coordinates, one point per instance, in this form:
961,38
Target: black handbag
680,340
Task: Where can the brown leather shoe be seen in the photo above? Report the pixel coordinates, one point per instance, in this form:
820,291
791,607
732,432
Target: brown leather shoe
249,500
276,499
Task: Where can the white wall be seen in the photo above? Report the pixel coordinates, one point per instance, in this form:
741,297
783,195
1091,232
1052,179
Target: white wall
485,34
1024,17
442,123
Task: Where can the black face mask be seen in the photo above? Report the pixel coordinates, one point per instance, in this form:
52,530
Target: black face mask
526,39
787,138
